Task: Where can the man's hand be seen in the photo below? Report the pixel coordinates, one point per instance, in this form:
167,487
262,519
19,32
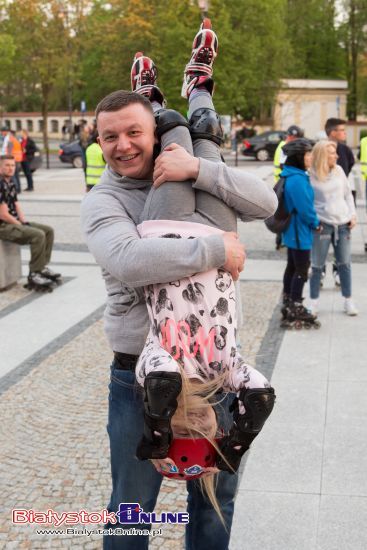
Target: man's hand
175,164
235,254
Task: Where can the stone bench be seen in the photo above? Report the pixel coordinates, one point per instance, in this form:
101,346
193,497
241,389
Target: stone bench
10,264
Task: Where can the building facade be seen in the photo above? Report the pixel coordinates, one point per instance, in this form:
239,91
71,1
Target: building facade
33,122
309,103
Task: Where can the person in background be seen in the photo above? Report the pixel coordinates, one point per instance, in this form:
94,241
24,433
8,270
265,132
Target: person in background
336,210
94,163
363,159
12,147
298,236
14,227
335,131
28,148
293,132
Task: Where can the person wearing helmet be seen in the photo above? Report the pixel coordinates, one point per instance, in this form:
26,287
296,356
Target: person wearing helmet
298,236
293,132
192,334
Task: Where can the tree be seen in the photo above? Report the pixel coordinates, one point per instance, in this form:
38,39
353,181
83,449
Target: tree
34,26
315,50
353,32
247,71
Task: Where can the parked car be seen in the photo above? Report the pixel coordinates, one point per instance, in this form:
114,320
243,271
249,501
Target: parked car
263,146
72,153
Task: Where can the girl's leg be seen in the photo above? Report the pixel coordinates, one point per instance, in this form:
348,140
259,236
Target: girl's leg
302,262
342,249
211,208
288,273
320,248
173,200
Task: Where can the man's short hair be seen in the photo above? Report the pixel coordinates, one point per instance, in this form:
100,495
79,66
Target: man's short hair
6,157
120,99
332,124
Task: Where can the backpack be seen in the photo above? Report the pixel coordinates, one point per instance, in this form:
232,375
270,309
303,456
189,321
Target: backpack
279,221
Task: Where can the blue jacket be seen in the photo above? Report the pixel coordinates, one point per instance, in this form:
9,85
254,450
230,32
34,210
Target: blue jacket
299,199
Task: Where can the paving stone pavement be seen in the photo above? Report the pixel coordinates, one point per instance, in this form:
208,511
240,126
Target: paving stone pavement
54,452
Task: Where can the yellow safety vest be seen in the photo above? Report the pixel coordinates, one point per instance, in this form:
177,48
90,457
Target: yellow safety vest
277,168
95,164
364,157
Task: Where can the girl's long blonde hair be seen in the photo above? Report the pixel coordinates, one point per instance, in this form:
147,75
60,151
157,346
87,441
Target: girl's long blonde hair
320,165
198,398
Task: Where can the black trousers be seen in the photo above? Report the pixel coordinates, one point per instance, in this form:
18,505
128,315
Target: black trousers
296,273
28,174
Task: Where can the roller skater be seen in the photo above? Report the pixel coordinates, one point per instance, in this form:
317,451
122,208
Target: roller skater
202,306
298,236
14,227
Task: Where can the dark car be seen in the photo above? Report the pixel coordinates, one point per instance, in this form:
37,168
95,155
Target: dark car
72,153
263,146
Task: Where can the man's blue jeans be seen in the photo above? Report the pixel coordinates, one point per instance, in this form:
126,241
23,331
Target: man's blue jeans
340,239
135,481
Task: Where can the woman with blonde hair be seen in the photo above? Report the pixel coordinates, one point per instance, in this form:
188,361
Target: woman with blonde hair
335,208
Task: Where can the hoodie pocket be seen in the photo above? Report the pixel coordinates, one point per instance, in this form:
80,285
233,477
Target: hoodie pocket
123,300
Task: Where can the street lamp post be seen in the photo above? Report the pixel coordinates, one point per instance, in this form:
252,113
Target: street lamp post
64,14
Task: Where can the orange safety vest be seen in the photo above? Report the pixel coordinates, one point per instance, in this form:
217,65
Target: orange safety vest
16,151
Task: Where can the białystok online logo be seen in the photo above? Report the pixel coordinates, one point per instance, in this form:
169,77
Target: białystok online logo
128,513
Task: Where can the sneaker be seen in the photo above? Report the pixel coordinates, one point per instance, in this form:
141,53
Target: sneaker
350,308
199,70
314,306
144,78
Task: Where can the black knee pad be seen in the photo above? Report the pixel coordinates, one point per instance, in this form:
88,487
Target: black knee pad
166,119
161,390
258,403
205,124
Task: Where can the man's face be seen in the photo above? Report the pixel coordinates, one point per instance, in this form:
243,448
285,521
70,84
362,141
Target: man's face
127,139
7,168
339,134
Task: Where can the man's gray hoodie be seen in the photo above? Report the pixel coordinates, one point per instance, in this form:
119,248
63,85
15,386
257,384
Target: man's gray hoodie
110,214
